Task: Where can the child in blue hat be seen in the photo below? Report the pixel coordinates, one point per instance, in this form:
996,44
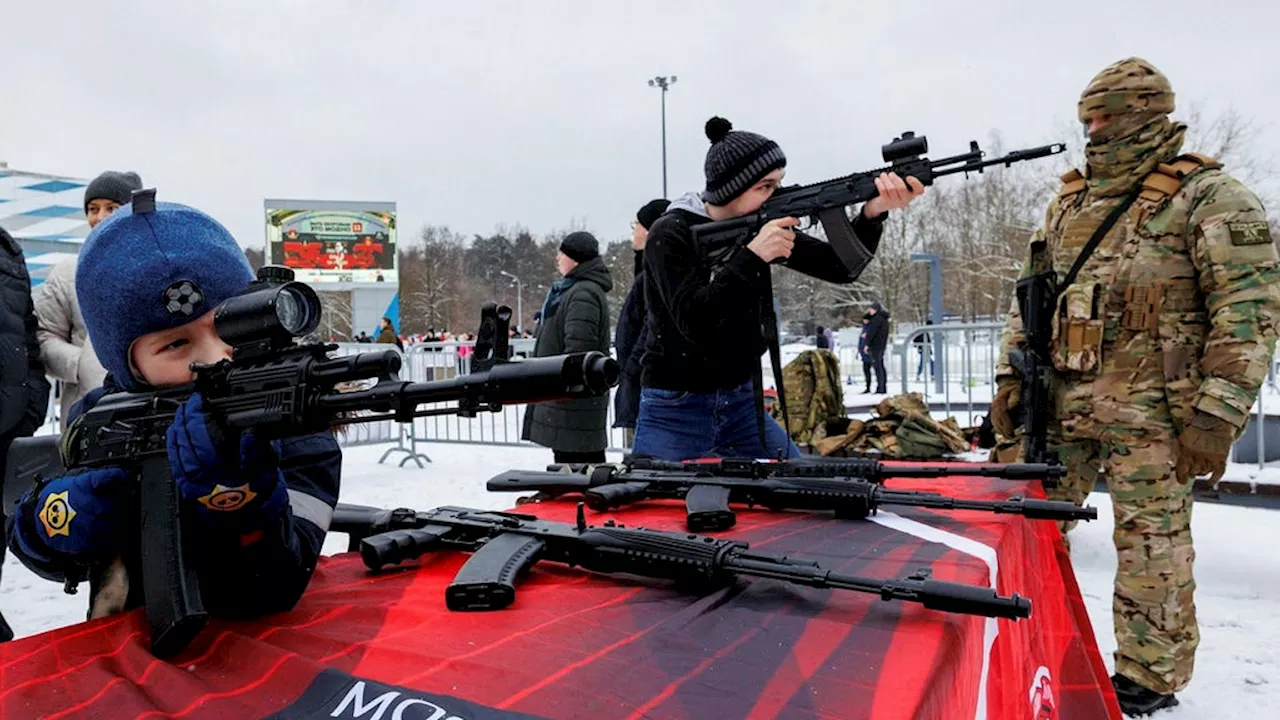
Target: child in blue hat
148,281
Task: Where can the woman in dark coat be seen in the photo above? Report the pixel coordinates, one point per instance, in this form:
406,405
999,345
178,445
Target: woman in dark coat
574,318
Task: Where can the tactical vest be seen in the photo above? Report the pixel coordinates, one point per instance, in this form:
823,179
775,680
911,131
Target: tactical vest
1163,299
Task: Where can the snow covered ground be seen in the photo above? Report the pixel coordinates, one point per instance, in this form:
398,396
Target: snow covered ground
1238,597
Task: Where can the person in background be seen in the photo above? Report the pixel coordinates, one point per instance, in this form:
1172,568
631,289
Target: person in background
575,318
877,330
387,333
64,344
632,334
864,354
820,338
922,345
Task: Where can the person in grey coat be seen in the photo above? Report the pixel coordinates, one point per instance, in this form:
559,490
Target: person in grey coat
574,318
64,343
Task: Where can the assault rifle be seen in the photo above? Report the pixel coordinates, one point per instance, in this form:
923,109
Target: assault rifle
825,202
707,498
506,544
282,389
1037,296
816,466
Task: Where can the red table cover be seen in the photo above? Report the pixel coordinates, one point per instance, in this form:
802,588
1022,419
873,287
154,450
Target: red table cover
579,645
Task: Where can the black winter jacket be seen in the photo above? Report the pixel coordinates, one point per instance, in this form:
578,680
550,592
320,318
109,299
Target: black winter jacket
24,390
629,341
704,323
574,320
877,330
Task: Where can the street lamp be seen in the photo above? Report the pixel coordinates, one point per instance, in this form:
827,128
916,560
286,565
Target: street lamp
663,82
519,297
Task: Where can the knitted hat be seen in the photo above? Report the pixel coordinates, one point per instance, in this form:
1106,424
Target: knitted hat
580,246
149,267
115,186
737,160
651,211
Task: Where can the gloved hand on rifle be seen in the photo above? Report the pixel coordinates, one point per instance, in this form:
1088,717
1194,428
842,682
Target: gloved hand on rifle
1007,400
1203,447
77,515
232,479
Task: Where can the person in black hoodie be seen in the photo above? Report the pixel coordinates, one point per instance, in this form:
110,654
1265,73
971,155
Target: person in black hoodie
575,318
877,330
705,323
631,335
24,391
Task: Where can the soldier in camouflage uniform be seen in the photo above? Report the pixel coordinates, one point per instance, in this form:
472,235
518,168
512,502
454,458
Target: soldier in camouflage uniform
1159,348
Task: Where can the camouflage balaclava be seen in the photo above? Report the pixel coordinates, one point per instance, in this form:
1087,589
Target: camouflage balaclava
1139,136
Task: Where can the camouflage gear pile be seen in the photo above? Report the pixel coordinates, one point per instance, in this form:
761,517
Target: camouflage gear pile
815,395
1174,314
902,429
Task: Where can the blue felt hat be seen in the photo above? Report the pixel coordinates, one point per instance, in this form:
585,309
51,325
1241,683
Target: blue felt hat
153,266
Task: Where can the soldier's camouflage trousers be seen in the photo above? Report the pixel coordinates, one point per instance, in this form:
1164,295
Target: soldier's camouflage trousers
1153,607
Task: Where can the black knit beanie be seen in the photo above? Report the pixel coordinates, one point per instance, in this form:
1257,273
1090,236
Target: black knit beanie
651,211
111,185
737,160
580,246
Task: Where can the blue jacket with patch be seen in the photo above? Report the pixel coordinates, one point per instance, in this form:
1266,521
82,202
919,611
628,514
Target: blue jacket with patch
241,575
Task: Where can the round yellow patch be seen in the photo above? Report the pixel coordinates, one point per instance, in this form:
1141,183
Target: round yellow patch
57,514
226,499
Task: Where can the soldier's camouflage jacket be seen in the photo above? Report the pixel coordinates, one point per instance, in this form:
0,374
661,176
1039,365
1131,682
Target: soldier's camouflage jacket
1179,301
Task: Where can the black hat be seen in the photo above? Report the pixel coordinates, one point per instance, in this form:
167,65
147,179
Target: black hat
737,160
115,186
651,211
580,246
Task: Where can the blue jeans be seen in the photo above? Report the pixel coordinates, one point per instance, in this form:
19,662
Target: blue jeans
678,425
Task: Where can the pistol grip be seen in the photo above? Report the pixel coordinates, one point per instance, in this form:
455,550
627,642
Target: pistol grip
615,495
396,546
708,509
487,581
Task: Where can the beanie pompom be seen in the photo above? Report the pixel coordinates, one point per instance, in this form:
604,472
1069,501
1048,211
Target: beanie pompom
717,128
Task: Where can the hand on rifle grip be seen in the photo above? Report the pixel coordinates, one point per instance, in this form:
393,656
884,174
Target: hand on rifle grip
775,240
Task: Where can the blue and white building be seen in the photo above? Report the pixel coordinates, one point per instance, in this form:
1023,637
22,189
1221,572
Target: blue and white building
45,213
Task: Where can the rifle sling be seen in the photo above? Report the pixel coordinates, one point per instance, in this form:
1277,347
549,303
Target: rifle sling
769,328
1096,239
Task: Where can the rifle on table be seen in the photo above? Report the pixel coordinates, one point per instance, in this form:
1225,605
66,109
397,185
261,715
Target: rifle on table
825,202
506,544
707,498
282,389
863,468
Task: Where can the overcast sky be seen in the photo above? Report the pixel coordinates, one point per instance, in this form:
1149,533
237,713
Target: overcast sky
476,113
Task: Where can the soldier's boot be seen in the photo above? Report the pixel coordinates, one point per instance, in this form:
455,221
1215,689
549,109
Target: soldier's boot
1137,701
